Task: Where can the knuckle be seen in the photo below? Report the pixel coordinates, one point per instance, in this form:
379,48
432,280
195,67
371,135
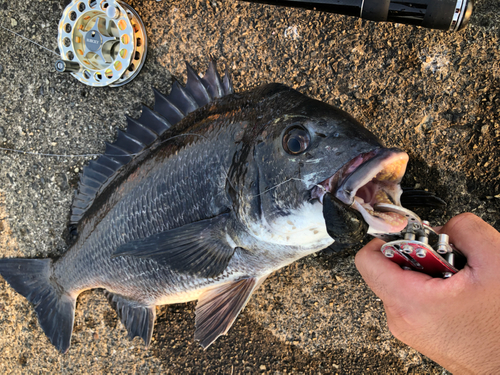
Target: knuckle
396,327
399,321
463,221
467,225
393,327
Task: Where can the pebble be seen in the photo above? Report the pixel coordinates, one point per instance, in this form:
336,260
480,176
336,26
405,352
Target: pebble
62,181
426,124
13,22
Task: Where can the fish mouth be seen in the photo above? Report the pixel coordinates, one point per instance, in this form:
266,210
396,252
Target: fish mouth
368,179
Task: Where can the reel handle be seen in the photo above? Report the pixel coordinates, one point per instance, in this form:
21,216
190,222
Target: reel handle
65,66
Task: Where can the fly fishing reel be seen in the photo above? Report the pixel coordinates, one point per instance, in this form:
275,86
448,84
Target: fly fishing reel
102,43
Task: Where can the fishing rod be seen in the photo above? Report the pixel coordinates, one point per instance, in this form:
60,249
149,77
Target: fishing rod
450,15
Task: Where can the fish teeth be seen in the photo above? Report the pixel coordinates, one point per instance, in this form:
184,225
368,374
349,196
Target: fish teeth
391,218
382,197
393,171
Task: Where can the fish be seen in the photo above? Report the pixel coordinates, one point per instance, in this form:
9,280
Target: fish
203,197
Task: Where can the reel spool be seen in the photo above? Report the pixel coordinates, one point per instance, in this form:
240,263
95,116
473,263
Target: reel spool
102,42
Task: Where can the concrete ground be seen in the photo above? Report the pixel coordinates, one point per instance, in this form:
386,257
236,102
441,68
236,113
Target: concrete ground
434,94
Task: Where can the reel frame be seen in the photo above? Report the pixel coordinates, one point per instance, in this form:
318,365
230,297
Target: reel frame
102,43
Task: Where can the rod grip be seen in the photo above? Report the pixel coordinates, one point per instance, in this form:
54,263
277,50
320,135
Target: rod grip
375,10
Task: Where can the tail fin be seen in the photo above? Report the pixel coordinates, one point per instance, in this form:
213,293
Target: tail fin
55,309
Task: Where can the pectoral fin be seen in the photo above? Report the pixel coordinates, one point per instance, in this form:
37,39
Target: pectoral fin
217,308
198,248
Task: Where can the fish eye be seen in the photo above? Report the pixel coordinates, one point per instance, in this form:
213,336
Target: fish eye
296,140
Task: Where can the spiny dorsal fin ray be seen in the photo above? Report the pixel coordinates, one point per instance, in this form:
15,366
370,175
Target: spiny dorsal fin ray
212,81
101,168
227,83
95,174
142,132
137,319
108,163
196,87
153,121
79,203
166,108
129,144
182,98
117,154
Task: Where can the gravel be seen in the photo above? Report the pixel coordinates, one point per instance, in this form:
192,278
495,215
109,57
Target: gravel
434,94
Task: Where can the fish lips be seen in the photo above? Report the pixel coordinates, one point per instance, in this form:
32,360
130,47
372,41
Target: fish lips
343,223
368,179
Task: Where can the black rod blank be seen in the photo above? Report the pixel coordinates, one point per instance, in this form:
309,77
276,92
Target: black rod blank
433,14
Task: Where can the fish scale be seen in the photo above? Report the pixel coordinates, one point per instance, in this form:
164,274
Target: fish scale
132,220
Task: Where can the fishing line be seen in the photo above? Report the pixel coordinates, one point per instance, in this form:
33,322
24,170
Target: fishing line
69,155
29,40
281,183
51,155
89,155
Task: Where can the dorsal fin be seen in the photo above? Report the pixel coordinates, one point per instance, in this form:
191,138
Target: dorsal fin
142,132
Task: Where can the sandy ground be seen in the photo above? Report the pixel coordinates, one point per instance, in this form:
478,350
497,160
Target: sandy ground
433,94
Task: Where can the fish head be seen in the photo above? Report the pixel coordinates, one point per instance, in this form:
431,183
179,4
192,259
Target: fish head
313,149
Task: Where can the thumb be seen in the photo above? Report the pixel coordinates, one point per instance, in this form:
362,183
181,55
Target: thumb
478,240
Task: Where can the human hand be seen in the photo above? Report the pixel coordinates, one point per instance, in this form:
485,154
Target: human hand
454,321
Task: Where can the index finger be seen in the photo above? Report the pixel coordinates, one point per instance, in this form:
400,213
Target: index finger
384,277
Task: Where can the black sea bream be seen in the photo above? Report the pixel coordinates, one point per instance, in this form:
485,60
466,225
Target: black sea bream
202,198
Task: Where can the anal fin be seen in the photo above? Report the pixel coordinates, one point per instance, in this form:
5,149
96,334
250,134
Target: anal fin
137,319
218,308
